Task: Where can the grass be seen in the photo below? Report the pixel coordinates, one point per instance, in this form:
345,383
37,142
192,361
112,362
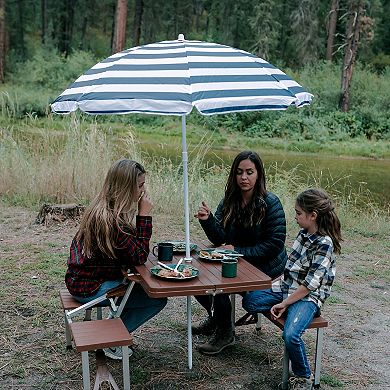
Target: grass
32,353
331,381
58,166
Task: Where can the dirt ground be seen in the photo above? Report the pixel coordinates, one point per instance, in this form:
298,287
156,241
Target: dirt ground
32,344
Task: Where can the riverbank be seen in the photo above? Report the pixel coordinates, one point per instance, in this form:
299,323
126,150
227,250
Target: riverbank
157,131
33,354
62,160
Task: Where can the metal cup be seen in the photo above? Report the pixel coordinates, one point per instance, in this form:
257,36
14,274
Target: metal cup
229,267
164,251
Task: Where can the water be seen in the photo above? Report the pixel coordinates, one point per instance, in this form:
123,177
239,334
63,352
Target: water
343,175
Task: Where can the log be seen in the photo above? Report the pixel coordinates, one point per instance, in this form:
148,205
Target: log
59,212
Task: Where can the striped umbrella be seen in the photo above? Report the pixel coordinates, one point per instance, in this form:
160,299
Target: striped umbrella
170,77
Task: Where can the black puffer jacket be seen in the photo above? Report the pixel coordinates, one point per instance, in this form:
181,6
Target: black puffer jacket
262,245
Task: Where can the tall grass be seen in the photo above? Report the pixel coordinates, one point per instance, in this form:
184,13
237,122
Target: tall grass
69,167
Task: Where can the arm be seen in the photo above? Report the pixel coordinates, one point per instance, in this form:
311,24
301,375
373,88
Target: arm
134,248
278,309
320,271
213,227
272,233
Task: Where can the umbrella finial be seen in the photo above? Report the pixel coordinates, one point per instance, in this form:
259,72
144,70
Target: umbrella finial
180,37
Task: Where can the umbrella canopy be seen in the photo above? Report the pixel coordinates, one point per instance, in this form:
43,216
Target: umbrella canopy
171,77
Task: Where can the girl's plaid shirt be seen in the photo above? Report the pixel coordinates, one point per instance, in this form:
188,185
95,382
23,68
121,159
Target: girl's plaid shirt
311,264
85,275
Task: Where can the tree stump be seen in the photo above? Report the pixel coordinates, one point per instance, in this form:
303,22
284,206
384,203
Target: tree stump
59,213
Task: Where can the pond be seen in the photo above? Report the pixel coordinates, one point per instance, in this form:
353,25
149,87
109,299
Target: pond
345,175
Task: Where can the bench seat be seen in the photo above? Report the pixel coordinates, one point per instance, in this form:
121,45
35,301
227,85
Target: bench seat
96,335
318,323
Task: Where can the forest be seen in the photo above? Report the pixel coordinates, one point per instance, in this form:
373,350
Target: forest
339,50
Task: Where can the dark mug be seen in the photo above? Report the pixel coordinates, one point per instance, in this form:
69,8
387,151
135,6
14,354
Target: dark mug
229,267
164,252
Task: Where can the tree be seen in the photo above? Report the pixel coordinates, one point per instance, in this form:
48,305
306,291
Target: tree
266,28
2,40
66,26
332,23
356,12
120,27
21,27
305,31
139,8
43,21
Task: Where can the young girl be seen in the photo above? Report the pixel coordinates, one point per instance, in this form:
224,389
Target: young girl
251,221
307,279
107,240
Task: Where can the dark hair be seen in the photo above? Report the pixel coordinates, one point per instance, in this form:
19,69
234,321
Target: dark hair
254,211
317,200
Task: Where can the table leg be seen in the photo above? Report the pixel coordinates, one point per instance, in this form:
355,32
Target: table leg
189,331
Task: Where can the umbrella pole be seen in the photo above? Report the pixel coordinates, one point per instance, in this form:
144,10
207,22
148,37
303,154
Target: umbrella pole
185,181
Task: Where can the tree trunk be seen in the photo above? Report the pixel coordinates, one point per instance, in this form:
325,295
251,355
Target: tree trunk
331,29
356,9
2,40
139,9
120,27
43,21
21,28
66,26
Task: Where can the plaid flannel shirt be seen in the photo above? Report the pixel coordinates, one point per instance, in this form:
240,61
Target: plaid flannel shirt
85,275
311,264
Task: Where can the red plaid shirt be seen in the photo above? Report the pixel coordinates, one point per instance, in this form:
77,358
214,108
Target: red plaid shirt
85,275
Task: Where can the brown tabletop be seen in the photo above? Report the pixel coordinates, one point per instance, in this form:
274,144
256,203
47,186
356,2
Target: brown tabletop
209,281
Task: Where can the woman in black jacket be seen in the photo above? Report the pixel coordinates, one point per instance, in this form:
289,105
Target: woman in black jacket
251,221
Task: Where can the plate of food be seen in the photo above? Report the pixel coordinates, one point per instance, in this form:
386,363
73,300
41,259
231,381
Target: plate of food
167,271
217,254
180,246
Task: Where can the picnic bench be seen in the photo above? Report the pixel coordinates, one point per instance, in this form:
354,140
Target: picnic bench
95,335
318,323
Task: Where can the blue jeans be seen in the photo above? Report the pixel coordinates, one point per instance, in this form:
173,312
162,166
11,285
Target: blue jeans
139,307
298,318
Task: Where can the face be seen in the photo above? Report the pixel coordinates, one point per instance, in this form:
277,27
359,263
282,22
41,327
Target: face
246,175
141,185
306,220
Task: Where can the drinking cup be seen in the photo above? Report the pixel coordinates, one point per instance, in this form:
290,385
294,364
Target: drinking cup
229,267
164,251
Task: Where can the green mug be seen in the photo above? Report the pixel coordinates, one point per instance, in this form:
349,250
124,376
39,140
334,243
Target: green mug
229,267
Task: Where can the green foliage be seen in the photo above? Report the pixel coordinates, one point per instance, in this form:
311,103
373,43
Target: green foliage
62,167
47,69
331,381
37,82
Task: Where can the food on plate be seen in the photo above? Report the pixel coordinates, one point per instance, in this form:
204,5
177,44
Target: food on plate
211,255
165,273
179,246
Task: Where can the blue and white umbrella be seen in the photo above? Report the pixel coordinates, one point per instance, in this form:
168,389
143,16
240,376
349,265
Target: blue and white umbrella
170,77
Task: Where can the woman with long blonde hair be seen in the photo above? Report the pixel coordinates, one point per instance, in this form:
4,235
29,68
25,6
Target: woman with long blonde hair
109,240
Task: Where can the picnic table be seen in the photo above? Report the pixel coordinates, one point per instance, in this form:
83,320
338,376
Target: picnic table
208,282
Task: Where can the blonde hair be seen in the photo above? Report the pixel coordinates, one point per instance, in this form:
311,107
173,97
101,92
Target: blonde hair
317,200
112,210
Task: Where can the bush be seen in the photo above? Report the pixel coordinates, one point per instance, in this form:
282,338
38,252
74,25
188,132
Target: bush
48,75
49,70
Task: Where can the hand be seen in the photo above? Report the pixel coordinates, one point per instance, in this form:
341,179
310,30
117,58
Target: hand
203,212
278,310
227,246
145,205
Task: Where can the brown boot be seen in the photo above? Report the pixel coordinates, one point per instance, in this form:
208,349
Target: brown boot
221,339
205,327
